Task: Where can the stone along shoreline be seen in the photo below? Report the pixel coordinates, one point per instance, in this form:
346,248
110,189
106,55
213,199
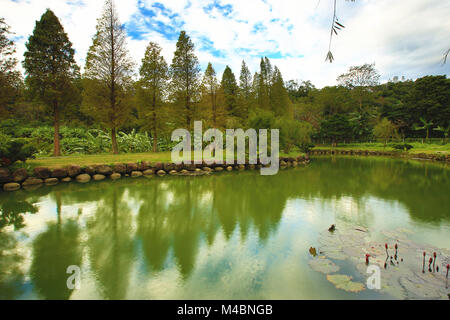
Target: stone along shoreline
22,179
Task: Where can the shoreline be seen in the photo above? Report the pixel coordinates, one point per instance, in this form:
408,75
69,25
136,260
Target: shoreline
392,154
21,179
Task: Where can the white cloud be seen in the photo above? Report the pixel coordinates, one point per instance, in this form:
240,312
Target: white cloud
403,37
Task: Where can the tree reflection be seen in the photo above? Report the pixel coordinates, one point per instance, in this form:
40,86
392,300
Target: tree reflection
110,243
53,251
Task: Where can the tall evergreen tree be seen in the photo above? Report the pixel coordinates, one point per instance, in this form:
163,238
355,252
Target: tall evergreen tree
264,81
245,88
10,78
151,91
279,98
185,75
108,74
51,69
230,90
212,97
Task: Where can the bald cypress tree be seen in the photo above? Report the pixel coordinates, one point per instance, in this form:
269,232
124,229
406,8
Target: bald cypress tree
185,80
108,74
212,98
151,90
51,69
245,90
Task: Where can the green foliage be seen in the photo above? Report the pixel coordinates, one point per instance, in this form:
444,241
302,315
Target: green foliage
15,149
294,133
384,130
336,129
10,77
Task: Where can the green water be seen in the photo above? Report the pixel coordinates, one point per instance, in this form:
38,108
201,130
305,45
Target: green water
234,235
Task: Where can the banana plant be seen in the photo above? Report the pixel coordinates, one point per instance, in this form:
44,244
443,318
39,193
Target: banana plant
443,130
426,126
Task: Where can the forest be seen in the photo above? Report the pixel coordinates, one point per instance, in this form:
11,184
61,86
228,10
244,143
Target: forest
114,104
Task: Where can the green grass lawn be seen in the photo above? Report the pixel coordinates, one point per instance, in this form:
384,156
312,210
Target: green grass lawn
84,160
418,147
107,158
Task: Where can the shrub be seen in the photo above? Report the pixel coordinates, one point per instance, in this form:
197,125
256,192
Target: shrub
404,147
15,149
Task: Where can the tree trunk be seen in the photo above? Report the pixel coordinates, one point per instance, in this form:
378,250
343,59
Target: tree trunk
115,148
56,147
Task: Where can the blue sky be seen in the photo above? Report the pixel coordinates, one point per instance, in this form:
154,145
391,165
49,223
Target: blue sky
403,37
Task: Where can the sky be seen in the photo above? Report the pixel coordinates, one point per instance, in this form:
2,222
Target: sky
402,37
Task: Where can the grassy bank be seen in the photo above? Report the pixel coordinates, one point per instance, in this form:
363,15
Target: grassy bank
107,158
429,148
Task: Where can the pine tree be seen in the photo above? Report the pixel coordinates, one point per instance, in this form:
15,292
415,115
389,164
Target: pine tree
10,78
108,74
245,89
51,68
185,75
230,90
151,90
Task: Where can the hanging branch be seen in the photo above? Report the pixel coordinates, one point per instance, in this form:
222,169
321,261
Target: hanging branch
335,26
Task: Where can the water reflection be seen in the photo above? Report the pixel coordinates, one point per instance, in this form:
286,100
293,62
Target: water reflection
129,231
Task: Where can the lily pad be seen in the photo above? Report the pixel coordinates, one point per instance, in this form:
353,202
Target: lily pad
344,282
321,264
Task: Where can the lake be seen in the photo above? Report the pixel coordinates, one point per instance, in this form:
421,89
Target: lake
236,235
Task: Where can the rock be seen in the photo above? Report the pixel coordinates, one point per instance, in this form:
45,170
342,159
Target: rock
161,173
20,175
51,181
42,172
73,170
169,167
198,170
12,186
136,174
144,165
294,163
32,181
173,172
184,171
158,166
120,168
59,173
251,166
132,167
283,163
90,170
104,170
190,167
229,168
98,177
241,167
207,169
5,175
83,178
115,176
218,169
148,172
66,179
